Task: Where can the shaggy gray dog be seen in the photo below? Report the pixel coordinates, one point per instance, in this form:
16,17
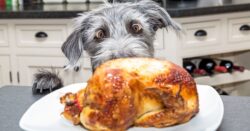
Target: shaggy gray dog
117,30
112,31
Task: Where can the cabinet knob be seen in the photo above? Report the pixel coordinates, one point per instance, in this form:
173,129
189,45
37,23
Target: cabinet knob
41,34
245,28
200,33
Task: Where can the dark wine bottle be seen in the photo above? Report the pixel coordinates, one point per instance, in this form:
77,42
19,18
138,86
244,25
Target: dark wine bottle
208,65
228,64
189,66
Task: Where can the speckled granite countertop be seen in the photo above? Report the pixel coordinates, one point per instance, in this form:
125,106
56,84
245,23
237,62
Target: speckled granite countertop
15,100
176,8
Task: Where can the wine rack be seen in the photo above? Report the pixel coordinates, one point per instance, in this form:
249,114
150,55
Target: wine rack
224,78
235,82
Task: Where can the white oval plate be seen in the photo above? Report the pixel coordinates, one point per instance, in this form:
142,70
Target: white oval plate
44,115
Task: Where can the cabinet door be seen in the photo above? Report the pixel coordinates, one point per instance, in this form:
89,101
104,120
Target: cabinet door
5,70
3,36
158,43
29,65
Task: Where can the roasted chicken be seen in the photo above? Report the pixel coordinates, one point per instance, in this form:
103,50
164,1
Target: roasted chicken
129,92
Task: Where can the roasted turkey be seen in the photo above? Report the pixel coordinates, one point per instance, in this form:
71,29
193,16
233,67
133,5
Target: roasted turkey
129,92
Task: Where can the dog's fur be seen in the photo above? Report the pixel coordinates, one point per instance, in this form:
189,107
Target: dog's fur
46,81
116,21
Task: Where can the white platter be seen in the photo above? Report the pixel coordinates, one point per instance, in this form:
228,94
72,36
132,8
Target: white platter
44,115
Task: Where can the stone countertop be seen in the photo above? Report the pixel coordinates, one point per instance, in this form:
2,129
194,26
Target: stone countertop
50,11
204,7
176,8
15,100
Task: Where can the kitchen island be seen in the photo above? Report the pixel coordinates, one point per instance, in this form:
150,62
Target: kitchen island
15,100
176,9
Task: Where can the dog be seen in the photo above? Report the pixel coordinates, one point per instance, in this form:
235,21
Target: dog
117,30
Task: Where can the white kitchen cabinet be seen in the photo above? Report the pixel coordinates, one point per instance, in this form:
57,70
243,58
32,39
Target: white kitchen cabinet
42,36
5,71
22,53
4,36
223,34
239,30
202,34
29,65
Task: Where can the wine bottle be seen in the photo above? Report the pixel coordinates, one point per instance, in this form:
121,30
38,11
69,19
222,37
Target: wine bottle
192,69
189,66
228,64
208,65
231,67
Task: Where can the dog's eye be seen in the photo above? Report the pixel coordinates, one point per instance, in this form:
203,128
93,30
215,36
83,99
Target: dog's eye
100,34
137,28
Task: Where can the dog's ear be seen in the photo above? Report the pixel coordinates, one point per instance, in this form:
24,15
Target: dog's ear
73,47
158,16
75,43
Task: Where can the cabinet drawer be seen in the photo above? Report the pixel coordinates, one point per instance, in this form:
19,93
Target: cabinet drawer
239,29
3,35
40,35
202,34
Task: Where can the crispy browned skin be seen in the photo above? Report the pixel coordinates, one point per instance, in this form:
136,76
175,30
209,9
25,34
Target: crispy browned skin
138,92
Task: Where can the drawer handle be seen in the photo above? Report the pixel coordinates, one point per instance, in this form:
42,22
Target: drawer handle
245,28
200,33
41,35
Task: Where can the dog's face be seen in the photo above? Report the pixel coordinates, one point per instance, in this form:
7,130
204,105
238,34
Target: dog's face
117,31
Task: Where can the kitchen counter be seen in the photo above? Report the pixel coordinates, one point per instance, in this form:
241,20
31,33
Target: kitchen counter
175,8
15,100
204,7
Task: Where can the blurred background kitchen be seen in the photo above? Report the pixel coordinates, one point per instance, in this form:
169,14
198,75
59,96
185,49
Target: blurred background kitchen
214,47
